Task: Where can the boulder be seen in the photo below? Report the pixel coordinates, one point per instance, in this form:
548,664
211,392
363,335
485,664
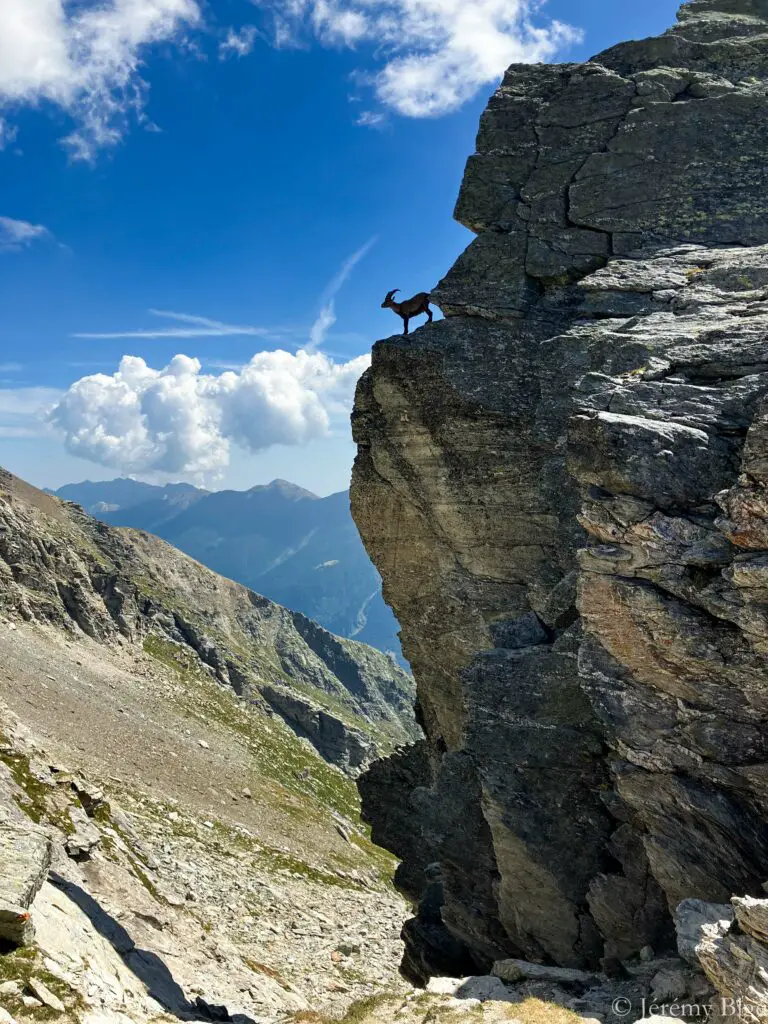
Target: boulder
696,920
514,971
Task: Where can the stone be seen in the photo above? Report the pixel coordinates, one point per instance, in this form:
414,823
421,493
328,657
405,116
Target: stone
476,989
444,986
16,924
670,984
81,843
44,994
484,989
5,1017
695,920
736,965
752,916
25,855
514,971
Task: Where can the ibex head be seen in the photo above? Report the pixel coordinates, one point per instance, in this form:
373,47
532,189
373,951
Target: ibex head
389,301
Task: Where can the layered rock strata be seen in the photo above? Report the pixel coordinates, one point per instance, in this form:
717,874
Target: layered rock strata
563,485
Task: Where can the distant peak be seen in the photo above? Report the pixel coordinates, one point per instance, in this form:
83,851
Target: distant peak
286,489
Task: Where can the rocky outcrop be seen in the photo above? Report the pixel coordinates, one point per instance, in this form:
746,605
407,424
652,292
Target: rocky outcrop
60,566
25,855
562,485
342,744
730,944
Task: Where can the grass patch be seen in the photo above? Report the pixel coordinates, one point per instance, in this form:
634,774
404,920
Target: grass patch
536,1011
278,754
358,1012
268,972
25,963
34,799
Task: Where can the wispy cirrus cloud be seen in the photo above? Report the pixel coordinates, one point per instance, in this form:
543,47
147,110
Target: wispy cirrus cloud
194,327
371,119
326,318
238,43
16,235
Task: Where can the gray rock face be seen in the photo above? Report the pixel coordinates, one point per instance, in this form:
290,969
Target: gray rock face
730,946
25,855
563,485
341,744
695,920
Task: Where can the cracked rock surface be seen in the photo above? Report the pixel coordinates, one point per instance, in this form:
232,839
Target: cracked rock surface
563,485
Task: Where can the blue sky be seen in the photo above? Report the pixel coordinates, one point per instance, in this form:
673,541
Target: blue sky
181,173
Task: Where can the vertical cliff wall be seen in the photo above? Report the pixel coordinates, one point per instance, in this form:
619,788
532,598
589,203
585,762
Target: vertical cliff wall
563,485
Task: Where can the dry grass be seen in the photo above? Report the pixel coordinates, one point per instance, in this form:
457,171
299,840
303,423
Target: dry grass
428,1009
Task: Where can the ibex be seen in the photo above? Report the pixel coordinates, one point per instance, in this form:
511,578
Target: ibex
409,307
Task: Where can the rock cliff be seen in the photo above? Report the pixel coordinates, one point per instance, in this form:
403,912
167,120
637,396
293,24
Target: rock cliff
563,485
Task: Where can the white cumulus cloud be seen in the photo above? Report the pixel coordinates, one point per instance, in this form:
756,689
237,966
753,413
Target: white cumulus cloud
84,57
437,53
180,420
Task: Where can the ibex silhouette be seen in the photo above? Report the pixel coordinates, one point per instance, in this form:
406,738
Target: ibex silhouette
409,307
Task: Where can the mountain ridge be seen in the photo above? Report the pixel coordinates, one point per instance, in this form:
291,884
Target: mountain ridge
300,549
60,565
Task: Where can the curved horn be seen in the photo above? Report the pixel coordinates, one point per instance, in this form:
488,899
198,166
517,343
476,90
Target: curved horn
392,293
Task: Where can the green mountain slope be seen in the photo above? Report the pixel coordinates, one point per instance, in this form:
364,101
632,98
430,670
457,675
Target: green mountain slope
59,565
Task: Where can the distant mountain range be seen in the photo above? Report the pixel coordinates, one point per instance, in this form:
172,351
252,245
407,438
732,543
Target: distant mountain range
280,540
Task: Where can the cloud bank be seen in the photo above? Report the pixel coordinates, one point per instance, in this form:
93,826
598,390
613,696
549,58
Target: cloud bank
23,409
181,421
84,58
